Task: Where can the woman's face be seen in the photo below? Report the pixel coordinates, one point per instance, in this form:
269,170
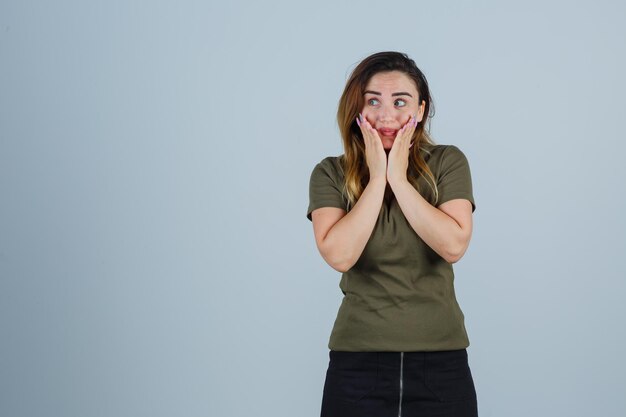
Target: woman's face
391,99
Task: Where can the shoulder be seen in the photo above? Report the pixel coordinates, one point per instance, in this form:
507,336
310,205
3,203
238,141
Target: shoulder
439,156
331,166
443,151
332,161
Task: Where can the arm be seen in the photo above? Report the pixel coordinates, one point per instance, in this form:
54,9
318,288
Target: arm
447,230
340,236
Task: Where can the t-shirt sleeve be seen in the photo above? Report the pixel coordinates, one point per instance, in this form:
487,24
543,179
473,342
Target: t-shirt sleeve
455,179
324,190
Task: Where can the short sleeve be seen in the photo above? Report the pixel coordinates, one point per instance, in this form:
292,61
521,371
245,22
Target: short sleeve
454,179
324,188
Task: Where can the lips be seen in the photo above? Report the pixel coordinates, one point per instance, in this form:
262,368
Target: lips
388,132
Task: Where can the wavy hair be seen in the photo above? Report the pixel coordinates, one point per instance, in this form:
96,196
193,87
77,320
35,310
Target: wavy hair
356,172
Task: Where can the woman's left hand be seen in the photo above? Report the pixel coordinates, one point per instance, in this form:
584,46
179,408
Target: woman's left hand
398,159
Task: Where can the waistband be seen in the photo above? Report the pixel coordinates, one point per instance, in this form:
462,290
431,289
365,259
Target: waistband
392,358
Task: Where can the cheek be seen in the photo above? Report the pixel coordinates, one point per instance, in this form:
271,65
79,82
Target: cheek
369,115
404,117
410,112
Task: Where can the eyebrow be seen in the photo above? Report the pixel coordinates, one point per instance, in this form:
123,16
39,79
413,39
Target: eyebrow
402,93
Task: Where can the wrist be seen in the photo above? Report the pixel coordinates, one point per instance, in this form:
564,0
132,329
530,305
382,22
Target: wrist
380,180
395,181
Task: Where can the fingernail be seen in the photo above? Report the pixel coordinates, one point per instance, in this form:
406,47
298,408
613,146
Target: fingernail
358,122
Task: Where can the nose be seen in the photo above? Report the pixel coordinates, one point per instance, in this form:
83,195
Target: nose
385,114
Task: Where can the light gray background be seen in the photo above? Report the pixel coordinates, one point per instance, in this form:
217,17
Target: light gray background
155,258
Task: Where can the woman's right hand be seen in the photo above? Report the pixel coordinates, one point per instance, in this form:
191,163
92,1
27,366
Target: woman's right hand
375,155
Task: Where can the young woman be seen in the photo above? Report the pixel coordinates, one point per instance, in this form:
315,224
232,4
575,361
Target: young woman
392,214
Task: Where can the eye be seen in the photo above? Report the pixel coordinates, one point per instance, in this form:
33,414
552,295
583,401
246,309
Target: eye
370,101
401,101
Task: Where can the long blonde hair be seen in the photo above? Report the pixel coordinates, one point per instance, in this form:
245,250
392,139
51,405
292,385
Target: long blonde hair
356,172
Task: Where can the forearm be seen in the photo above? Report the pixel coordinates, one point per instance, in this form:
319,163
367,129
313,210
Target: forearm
346,240
438,230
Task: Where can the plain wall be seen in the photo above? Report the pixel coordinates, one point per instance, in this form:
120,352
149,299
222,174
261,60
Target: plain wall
155,257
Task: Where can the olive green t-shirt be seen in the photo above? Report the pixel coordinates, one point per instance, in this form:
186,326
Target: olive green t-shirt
399,296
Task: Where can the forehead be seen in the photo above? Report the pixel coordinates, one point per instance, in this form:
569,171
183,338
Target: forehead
391,81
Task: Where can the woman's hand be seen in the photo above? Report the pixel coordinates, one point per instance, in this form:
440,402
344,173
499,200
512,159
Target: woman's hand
374,152
398,163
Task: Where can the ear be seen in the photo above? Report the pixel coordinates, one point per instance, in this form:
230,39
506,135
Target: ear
420,112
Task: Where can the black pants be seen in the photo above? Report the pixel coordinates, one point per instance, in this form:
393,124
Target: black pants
392,384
